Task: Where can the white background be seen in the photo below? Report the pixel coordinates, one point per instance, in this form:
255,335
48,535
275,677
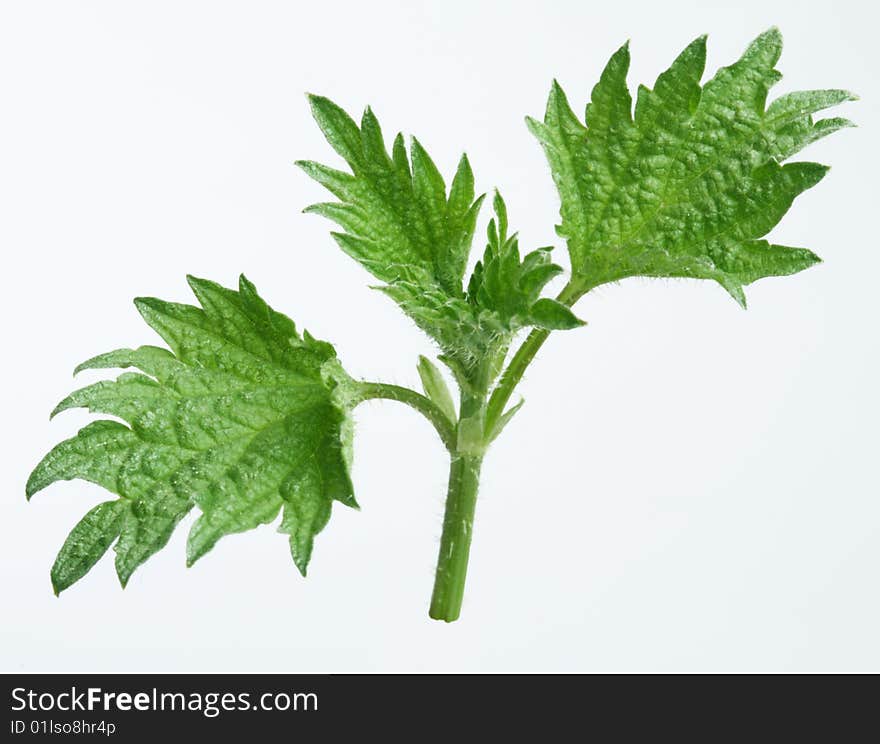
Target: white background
689,487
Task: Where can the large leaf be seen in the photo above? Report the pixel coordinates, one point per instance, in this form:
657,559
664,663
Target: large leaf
242,418
688,185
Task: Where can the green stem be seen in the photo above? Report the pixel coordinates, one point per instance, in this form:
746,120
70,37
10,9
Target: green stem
424,405
511,376
477,418
455,542
467,442
461,502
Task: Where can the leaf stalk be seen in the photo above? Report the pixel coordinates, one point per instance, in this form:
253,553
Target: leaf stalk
570,294
421,403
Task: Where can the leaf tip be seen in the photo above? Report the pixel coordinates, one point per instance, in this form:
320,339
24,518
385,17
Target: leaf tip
738,293
145,305
772,37
246,286
191,555
36,481
533,125
416,147
818,171
197,544
316,101
196,284
808,259
621,55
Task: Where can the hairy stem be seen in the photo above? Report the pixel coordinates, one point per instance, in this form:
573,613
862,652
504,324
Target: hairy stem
458,520
455,543
477,420
511,376
466,441
424,405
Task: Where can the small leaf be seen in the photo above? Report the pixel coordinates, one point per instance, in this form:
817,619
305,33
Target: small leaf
509,288
553,315
435,388
501,215
504,420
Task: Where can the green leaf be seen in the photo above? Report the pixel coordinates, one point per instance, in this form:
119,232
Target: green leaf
504,420
436,389
509,287
554,316
398,221
401,225
242,417
688,184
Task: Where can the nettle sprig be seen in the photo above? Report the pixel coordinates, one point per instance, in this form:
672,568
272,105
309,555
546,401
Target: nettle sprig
245,418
